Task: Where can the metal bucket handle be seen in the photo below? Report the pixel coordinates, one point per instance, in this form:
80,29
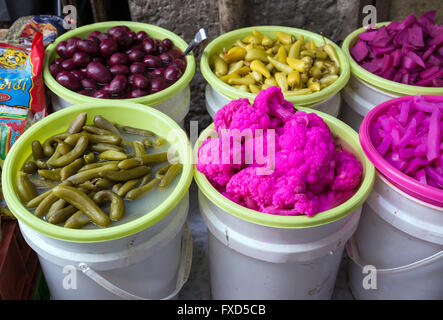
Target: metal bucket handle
182,276
353,253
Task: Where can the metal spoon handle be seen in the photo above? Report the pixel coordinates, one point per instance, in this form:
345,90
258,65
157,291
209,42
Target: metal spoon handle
199,37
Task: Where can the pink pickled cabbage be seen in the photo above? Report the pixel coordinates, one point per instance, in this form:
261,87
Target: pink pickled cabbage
408,51
307,172
410,137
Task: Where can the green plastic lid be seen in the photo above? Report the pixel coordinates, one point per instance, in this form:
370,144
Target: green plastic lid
228,39
343,135
123,113
153,31
377,81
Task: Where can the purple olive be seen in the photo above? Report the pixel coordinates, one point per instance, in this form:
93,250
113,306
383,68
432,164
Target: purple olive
172,73
78,74
103,36
137,67
179,63
119,69
68,64
175,53
89,84
118,84
148,45
131,78
99,59
98,72
61,49
101,94
88,46
108,47
132,35
152,61
135,47
71,46
157,84
135,55
166,59
85,92
141,35
54,69
167,43
95,40
84,70
161,48
157,72
118,58
81,59
113,30
136,93
140,81
122,37
68,80
94,34
58,60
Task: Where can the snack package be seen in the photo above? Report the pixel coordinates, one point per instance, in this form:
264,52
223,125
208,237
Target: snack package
24,29
22,92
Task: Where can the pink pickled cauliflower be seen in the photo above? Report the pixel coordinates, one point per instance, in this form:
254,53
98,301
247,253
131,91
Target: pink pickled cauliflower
308,174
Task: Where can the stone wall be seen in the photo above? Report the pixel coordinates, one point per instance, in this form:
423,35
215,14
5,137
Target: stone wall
333,18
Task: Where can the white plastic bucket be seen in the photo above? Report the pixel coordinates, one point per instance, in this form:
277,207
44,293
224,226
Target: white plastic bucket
250,261
254,255
402,237
151,264
215,100
359,98
176,107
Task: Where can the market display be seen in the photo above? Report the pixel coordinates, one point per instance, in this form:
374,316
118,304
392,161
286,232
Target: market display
79,170
408,51
311,173
410,137
297,66
118,64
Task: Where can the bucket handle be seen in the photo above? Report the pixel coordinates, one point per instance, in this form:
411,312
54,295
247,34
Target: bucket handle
353,253
182,276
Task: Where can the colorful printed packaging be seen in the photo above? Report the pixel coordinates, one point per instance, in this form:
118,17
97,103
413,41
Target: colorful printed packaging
22,92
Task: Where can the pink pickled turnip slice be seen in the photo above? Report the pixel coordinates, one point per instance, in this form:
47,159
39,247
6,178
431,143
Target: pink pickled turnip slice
359,51
434,136
406,153
382,38
396,55
409,134
437,40
414,165
416,36
421,176
441,146
421,104
384,145
429,52
428,72
394,159
427,18
435,175
437,83
407,22
421,150
383,50
416,58
428,81
368,35
404,112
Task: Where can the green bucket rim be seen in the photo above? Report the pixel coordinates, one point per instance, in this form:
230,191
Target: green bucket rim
294,222
152,99
377,81
305,100
105,234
